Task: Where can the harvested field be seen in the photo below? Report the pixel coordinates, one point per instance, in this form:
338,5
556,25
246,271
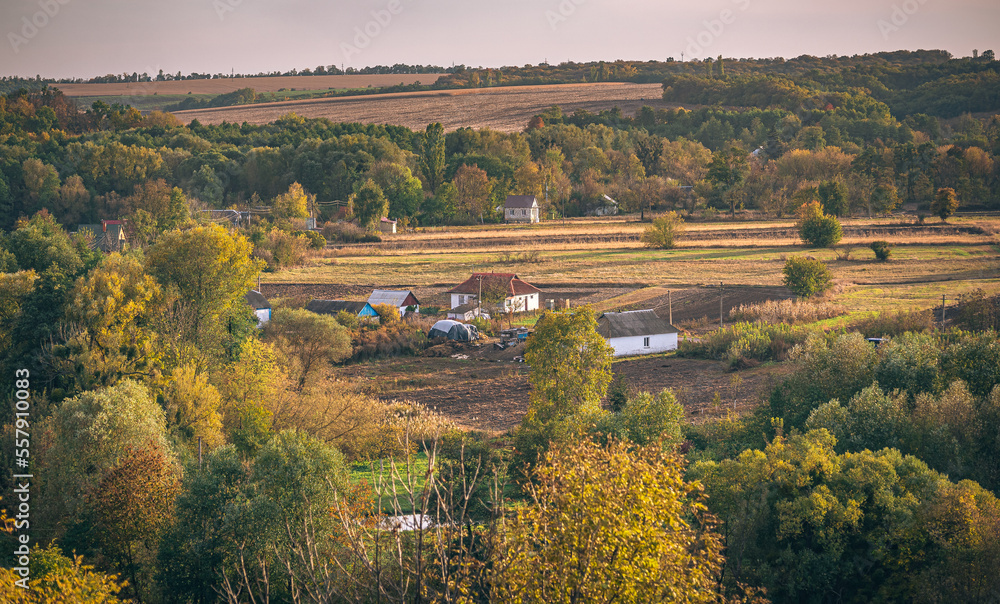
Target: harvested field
224,85
507,109
492,396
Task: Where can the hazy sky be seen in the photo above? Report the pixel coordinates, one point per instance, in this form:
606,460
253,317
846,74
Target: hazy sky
86,38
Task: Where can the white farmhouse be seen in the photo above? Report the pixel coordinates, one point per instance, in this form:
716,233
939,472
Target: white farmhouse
518,296
637,332
521,208
261,307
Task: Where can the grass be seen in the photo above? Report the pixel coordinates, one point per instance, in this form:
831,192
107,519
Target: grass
370,472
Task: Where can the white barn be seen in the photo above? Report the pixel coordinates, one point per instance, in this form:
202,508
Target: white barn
261,307
637,332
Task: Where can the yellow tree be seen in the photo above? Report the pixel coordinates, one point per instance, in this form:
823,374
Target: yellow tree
611,524
473,189
294,203
210,270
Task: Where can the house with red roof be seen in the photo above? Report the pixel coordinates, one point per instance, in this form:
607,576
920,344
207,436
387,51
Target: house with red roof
518,295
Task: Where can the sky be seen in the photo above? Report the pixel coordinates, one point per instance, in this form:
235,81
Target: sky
87,38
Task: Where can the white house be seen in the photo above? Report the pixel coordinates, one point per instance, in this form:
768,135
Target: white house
404,300
637,332
521,208
520,296
261,307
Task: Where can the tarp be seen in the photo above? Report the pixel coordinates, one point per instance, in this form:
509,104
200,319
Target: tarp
453,330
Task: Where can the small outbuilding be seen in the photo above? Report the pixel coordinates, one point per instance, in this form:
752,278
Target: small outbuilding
334,307
387,226
453,330
261,307
108,236
637,332
467,312
521,208
404,300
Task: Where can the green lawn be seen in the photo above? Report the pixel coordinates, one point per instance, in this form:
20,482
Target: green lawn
381,472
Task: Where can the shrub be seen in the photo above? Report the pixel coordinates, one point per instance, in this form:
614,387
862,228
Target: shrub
316,241
945,203
805,277
397,339
882,249
786,311
280,249
345,232
816,228
664,232
894,324
746,341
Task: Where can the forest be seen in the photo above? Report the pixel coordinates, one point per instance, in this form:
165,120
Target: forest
181,453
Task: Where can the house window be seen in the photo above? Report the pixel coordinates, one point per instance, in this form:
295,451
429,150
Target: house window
645,342
461,300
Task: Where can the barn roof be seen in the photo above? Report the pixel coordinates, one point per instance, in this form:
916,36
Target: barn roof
505,281
520,201
332,307
632,323
400,298
256,300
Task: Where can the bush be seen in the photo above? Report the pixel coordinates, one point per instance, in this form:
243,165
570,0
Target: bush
741,342
805,277
786,311
816,228
345,232
316,241
280,249
894,324
397,339
664,232
882,249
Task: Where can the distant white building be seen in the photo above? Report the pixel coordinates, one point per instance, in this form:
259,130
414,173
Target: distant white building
637,332
521,208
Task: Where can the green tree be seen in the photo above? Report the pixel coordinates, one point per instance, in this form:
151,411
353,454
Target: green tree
56,578
401,188
805,277
816,228
727,172
309,338
664,231
607,524
833,196
645,419
193,406
432,157
945,203
472,191
370,205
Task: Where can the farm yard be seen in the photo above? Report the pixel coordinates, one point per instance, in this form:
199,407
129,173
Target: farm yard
601,262
506,109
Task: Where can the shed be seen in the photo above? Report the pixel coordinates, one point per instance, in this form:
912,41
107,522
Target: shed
109,235
467,312
637,332
453,330
404,300
333,307
521,208
387,226
261,307
521,296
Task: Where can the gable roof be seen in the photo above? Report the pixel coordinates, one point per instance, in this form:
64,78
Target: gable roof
400,298
332,307
520,201
256,300
505,281
632,323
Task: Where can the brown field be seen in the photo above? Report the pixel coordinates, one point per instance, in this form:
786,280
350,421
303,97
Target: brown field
507,109
224,85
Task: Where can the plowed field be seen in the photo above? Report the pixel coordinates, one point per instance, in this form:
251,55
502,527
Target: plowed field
505,108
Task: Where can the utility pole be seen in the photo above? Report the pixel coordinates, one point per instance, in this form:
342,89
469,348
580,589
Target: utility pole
942,309
720,304
670,309
199,453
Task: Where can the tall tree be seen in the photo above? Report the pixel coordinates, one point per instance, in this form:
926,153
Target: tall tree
472,188
432,158
945,203
369,205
